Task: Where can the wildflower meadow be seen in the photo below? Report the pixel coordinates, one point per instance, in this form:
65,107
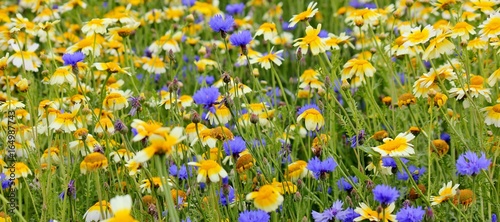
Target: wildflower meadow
250,111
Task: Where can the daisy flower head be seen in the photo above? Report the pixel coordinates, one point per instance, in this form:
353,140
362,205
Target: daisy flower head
448,191
94,212
492,115
209,169
97,26
311,41
313,118
93,162
297,170
265,59
111,67
28,59
417,36
121,206
268,30
221,24
490,28
162,144
363,18
469,163
398,147
356,70
267,198
366,213
309,13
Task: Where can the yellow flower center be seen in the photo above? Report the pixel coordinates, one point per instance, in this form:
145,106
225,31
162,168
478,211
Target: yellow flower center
393,144
494,24
496,108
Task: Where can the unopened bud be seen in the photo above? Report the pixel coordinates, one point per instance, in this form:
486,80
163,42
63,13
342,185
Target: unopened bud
254,119
190,18
195,117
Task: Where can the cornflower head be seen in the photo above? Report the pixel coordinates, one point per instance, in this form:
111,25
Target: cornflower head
329,214
253,216
221,24
227,195
347,215
179,172
236,8
320,169
469,163
385,194
235,146
416,173
207,97
241,39
343,184
73,58
410,214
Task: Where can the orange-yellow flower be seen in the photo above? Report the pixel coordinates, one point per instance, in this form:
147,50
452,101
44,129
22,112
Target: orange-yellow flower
398,147
312,41
268,198
210,169
309,13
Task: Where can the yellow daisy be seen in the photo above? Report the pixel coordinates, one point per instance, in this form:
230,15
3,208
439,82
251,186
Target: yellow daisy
312,41
210,169
268,198
398,147
93,162
492,115
356,70
447,192
297,170
366,213
490,28
94,212
265,60
268,30
121,206
309,13
161,145
417,36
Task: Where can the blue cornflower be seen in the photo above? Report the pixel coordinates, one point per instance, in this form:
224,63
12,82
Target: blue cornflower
306,107
323,34
410,214
385,194
493,218
416,173
347,215
321,168
469,163
206,79
71,190
135,103
329,214
234,146
258,143
388,161
188,3
207,97
346,186
73,59
180,172
254,216
286,27
241,39
446,137
234,9
226,195
358,139
220,24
